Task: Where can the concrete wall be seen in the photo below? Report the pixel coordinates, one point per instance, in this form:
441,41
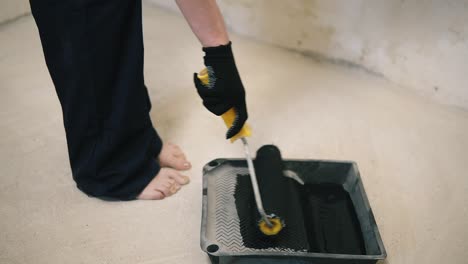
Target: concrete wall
10,9
422,45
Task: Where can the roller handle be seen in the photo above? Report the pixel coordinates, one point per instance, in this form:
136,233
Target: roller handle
230,115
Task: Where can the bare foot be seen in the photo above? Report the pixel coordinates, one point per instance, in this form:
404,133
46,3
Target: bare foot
169,180
166,183
172,156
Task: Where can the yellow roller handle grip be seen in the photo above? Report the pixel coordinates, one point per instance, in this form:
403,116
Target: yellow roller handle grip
230,115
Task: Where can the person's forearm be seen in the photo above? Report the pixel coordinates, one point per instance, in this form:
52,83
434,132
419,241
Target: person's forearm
206,21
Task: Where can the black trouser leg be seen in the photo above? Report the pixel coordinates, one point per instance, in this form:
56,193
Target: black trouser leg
94,53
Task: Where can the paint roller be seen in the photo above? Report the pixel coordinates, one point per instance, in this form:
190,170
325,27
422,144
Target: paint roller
269,224
281,199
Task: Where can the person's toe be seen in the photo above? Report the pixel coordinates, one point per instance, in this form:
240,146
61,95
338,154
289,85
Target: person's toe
186,165
175,188
165,189
180,179
179,163
151,195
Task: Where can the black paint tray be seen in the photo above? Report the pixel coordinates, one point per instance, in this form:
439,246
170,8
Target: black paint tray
339,223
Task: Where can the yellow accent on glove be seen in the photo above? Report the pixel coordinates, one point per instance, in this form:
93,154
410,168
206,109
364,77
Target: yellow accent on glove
230,115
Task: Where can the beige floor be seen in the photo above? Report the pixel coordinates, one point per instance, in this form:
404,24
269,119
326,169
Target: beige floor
412,153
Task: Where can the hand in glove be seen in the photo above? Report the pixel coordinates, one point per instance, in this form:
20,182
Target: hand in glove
224,90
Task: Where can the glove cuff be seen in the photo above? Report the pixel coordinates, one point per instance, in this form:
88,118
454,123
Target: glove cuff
221,49
221,52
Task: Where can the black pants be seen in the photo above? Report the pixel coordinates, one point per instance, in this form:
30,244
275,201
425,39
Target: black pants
94,53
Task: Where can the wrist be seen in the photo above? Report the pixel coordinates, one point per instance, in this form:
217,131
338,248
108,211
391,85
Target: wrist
216,42
217,48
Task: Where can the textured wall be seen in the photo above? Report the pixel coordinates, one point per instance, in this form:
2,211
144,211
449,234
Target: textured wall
10,9
422,45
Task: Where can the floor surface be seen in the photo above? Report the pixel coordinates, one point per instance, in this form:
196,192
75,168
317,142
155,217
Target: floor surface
412,152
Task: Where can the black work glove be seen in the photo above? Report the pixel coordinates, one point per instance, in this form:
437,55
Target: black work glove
225,89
